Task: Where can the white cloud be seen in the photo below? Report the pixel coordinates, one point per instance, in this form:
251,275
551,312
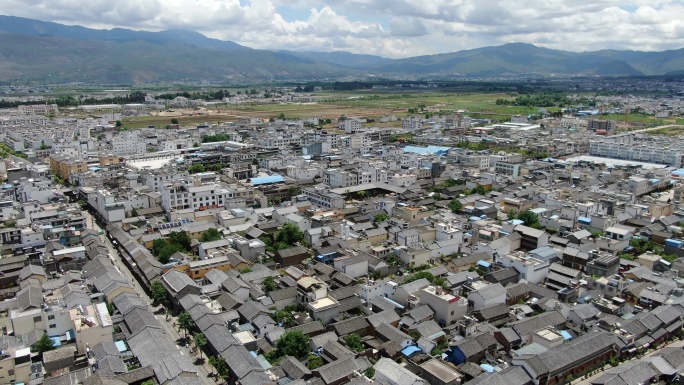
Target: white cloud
391,28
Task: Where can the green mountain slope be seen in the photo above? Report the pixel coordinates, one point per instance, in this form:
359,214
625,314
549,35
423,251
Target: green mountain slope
56,59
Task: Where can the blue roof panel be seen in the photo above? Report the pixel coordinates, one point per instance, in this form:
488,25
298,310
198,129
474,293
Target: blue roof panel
484,263
267,180
409,350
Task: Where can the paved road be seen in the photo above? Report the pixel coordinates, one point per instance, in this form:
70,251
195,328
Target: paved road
653,128
168,325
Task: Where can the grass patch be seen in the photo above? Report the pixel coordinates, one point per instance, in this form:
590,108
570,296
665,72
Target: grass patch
668,131
134,122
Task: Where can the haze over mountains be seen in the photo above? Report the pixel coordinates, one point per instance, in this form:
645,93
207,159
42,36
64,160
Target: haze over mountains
50,52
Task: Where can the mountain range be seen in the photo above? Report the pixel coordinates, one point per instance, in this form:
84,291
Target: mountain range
48,52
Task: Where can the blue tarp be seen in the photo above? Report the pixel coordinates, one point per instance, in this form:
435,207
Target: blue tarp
409,350
584,219
674,243
56,341
427,150
121,346
267,180
487,368
516,222
566,335
484,263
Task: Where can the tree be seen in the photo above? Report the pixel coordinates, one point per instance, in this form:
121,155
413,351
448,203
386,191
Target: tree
43,344
118,123
149,382
270,284
292,343
174,121
455,206
245,270
159,293
211,235
289,234
480,190
200,341
185,322
134,212
369,372
180,238
528,217
354,343
195,168
285,316
219,364
380,218
314,362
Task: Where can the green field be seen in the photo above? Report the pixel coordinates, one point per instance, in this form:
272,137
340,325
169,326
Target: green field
364,103
434,102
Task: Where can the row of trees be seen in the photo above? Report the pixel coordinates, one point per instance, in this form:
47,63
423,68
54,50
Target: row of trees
215,138
538,100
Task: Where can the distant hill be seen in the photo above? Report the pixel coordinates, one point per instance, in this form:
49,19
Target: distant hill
30,27
57,59
50,52
342,58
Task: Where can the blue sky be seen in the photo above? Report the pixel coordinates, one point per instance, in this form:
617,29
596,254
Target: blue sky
390,28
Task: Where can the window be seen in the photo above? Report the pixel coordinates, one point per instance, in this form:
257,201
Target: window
51,317
452,312
37,319
10,372
52,326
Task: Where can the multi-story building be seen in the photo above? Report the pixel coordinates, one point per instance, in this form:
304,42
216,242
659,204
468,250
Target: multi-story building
602,264
64,166
324,198
183,195
531,269
597,124
412,123
38,109
448,308
350,126
506,168
650,154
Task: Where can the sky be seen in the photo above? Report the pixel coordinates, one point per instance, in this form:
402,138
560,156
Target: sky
389,28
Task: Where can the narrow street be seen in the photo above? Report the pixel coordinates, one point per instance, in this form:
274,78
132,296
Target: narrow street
168,325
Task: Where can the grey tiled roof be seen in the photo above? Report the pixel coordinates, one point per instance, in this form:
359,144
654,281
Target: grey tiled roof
512,375
220,338
387,316
584,348
390,333
139,319
532,324
241,361
172,366
337,370
125,302
293,368
350,325
309,327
